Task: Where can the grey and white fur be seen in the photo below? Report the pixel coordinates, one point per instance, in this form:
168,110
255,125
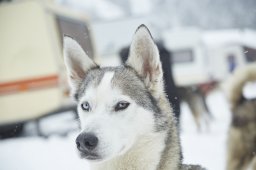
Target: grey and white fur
241,143
126,120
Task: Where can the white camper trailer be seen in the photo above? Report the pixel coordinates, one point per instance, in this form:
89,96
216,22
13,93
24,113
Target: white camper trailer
32,73
227,50
188,56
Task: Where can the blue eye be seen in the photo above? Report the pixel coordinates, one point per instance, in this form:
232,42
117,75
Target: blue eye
86,106
121,105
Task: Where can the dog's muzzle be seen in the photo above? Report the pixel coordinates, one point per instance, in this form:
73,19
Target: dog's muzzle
86,144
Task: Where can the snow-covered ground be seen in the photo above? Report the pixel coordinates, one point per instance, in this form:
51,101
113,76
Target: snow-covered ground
208,147
54,153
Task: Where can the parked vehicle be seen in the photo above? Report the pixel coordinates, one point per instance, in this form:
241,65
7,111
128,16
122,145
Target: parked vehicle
32,74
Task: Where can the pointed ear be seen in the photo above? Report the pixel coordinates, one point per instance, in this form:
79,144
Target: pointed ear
77,63
144,58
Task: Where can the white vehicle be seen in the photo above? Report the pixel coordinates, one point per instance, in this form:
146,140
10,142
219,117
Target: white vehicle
32,75
198,56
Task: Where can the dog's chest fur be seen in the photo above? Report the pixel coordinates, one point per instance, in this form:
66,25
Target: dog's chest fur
144,155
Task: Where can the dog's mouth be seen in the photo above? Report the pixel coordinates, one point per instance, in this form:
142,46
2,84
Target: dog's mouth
90,156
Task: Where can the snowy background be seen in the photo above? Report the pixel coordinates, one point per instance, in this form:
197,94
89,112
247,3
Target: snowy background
218,22
57,152
206,14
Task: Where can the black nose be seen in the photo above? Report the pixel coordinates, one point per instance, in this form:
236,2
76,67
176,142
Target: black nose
86,142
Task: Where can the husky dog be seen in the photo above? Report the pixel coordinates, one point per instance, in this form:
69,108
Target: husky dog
196,100
242,132
126,120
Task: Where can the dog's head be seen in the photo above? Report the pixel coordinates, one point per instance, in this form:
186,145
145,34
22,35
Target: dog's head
244,112
116,105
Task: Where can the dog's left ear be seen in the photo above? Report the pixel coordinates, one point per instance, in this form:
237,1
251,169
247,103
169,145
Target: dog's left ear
144,58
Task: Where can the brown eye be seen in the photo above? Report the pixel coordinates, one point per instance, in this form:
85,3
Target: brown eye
121,105
86,106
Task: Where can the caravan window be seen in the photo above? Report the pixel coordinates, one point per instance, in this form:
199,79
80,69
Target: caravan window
250,54
182,56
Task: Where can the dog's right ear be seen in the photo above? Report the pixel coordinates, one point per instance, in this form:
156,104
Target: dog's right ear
77,63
